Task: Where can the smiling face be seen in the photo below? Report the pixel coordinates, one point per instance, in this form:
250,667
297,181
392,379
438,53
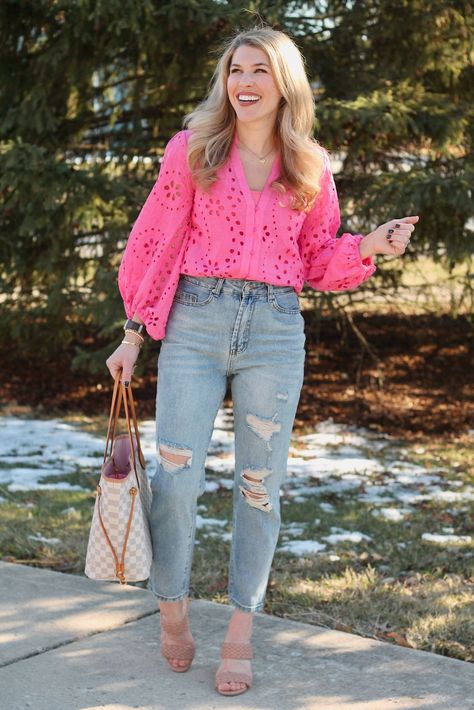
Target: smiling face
251,86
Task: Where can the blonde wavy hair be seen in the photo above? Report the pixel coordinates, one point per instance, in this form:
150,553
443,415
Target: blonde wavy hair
213,121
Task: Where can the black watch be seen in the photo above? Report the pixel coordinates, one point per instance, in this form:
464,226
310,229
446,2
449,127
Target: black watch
133,325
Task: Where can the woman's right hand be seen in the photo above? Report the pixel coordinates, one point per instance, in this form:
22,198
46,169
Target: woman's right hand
124,358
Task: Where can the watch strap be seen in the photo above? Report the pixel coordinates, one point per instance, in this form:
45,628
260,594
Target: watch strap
133,325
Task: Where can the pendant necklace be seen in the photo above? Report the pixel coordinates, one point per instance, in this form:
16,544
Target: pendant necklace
262,159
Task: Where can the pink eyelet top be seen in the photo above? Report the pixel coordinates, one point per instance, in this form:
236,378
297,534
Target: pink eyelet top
231,231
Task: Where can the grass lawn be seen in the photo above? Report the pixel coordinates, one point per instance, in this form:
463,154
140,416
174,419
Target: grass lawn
398,569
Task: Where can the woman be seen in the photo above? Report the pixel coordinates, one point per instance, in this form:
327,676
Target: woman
243,213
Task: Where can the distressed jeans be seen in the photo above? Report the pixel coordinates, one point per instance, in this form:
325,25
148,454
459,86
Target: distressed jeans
252,333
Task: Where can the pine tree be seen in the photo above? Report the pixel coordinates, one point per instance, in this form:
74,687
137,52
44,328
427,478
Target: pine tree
90,92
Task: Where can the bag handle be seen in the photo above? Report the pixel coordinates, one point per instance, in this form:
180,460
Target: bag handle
120,392
113,415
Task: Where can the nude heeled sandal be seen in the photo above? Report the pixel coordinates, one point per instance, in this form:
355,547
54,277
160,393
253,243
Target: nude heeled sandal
242,651
179,651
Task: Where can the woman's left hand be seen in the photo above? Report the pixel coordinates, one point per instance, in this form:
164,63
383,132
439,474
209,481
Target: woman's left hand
389,238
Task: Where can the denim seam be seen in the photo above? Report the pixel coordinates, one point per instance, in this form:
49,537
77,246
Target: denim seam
191,544
233,546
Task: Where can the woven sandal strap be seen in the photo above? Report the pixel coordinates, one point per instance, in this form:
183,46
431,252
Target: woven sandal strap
174,626
233,677
182,651
236,650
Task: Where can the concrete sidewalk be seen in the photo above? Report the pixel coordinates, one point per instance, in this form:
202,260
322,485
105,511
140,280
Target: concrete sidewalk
69,643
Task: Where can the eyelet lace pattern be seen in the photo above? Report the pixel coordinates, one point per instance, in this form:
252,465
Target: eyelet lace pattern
222,232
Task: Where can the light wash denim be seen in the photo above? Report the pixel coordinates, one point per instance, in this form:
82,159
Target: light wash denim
252,333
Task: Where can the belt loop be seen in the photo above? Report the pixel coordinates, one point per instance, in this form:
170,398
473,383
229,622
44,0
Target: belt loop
270,292
218,287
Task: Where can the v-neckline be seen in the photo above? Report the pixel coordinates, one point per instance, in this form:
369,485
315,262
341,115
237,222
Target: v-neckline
240,172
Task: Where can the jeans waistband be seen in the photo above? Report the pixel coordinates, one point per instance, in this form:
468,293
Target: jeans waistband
217,283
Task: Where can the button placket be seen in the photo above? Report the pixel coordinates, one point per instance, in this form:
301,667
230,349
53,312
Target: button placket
253,211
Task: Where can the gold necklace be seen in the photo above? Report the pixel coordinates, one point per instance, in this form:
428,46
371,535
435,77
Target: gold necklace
262,159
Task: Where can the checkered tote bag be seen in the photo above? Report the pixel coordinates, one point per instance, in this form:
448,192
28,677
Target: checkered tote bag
119,545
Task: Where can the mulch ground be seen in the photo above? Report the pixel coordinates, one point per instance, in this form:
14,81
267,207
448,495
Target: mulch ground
414,379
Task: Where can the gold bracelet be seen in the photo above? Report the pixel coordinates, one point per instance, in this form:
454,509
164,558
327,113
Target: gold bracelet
129,342
129,330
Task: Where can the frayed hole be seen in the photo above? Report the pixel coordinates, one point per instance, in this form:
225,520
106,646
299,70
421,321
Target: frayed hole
256,494
264,428
173,458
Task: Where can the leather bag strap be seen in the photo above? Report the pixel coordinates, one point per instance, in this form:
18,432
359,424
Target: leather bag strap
141,458
119,564
125,394
113,416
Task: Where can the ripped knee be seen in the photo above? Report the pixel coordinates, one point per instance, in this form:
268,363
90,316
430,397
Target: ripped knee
256,495
173,457
263,428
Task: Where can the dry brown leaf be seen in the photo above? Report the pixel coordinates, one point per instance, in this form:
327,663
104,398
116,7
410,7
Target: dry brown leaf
400,639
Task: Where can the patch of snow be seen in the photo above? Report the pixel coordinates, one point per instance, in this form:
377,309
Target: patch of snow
225,536
376,493
294,529
221,441
456,511
327,507
301,491
302,547
410,496
338,487
62,486
407,479
436,494
328,433
221,464
325,467
202,522
392,514
406,467
224,418
340,535
299,455
338,466
452,496
46,540
7,474
442,539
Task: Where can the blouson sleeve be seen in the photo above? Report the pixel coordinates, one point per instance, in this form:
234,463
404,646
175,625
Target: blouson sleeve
330,264
150,266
